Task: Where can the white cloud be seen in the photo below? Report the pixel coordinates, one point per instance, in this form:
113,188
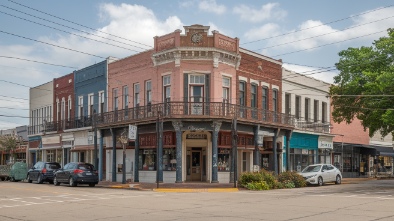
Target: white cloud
186,4
312,33
211,6
266,12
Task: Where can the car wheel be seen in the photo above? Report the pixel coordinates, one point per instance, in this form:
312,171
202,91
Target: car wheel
55,182
71,182
39,179
338,180
92,184
320,181
28,179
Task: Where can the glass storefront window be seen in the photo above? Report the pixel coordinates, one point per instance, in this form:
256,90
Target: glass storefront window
301,158
224,160
147,159
169,159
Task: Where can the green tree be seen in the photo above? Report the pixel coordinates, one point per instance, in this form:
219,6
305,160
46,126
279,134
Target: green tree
364,87
9,144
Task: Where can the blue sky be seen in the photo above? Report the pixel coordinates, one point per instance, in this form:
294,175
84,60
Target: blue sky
305,34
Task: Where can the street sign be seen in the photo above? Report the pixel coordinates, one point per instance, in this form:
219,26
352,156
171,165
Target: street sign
132,132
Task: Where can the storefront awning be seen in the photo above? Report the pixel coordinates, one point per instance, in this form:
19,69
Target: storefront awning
82,147
386,154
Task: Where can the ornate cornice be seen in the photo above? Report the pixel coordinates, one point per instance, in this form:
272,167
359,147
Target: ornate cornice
197,53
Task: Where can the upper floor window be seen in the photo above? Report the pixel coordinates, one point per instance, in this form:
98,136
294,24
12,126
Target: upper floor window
287,103
265,98
57,109
91,104
242,89
125,97
315,110
101,101
197,79
63,109
115,99
275,100
136,95
69,108
324,112
253,90
307,107
226,89
80,105
297,107
148,90
167,88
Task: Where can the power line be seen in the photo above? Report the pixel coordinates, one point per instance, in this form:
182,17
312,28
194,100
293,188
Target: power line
13,108
342,19
50,44
273,46
23,59
14,97
69,32
329,44
80,24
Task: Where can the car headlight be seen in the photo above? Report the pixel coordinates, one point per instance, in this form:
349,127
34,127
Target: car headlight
311,176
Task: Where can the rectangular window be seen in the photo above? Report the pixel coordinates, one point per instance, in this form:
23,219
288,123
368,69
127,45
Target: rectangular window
91,103
80,105
275,100
253,91
324,112
136,95
63,109
298,107
315,110
102,100
69,108
287,103
148,90
226,89
307,106
265,98
242,88
197,79
167,88
57,109
125,97
115,99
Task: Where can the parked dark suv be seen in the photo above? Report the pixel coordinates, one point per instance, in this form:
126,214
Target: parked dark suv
76,173
42,172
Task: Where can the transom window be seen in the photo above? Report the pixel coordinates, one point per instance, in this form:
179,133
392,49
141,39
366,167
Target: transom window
197,79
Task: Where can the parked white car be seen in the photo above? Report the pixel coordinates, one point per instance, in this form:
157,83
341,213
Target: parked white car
321,173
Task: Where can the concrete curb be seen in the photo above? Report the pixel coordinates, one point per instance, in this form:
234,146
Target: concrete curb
208,190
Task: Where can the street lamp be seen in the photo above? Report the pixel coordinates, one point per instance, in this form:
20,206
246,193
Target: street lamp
123,139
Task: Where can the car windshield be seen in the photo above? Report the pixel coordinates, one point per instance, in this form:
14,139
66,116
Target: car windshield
315,168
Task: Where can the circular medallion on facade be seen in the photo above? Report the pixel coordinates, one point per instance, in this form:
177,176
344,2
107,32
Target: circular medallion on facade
196,38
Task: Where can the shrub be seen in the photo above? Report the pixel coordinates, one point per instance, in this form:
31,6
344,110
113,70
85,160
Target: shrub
269,178
249,177
292,177
262,185
289,185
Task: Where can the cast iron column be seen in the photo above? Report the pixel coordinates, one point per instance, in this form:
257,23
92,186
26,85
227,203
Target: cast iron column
136,158
100,167
160,148
113,155
256,158
288,138
274,146
216,127
178,126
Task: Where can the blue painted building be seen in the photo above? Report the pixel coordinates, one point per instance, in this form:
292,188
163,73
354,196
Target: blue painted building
303,150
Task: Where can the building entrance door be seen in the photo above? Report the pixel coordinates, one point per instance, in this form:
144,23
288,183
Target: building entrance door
196,168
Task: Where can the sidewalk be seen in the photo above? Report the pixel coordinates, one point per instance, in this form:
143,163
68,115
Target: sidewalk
194,187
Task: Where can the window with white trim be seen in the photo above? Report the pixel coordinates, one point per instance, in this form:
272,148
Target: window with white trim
136,95
125,97
69,108
226,89
148,90
115,99
167,88
80,106
91,104
102,101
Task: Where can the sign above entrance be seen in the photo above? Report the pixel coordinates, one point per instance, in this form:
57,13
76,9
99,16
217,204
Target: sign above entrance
196,136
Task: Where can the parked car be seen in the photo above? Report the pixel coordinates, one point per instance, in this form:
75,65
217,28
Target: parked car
76,173
42,172
18,171
321,173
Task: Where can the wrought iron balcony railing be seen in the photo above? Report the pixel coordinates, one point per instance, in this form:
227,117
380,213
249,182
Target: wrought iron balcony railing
61,125
196,110
311,125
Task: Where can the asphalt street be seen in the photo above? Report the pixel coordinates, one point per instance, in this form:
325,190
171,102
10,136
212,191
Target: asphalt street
369,200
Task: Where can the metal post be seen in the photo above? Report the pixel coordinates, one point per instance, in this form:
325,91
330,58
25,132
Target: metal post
157,152
95,139
136,159
234,137
113,155
100,168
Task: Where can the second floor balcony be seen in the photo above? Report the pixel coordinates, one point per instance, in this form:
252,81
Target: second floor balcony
194,111
61,125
